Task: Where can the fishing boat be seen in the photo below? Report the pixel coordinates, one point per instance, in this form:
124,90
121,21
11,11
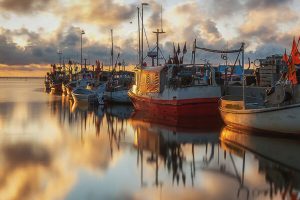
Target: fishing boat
249,114
70,87
56,87
175,90
278,113
47,84
119,82
54,80
81,94
118,87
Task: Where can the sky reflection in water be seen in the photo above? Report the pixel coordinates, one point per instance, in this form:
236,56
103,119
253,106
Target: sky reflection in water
53,149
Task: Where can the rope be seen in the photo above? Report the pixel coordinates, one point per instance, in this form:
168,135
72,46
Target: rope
146,38
219,51
144,31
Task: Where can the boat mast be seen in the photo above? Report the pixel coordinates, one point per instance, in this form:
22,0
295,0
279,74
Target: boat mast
243,54
82,32
59,52
138,9
112,50
142,54
157,36
157,43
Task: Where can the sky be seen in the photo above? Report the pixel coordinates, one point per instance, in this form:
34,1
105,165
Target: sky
33,31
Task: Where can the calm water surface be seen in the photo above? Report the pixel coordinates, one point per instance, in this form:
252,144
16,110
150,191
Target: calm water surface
51,148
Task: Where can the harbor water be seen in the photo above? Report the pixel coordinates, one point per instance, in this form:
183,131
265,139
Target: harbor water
52,148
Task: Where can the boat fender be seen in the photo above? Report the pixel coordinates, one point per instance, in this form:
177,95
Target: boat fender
288,96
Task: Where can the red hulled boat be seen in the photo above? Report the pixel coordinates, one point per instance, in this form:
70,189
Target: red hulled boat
176,90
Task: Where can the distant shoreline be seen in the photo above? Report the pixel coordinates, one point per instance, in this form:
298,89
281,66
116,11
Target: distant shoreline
19,77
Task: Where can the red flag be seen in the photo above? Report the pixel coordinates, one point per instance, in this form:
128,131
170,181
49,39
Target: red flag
294,60
285,57
292,76
295,55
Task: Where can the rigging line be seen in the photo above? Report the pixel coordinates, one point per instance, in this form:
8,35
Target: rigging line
232,68
219,51
144,31
146,38
235,169
162,54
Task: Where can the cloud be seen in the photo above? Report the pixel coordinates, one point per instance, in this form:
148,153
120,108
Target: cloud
24,6
23,154
28,171
210,28
266,4
23,68
262,29
183,22
103,13
224,8
39,51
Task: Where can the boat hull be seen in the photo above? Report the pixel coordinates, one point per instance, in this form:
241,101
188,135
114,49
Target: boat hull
84,95
84,98
182,107
64,89
117,96
273,120
56,88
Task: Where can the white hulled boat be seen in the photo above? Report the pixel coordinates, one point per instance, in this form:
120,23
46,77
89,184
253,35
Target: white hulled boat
276,115
81,94
118,87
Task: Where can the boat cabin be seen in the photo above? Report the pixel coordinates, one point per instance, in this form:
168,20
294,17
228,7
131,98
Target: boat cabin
155,79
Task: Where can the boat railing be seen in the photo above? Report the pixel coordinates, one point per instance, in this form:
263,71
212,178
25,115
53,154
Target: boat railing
232,102
237,102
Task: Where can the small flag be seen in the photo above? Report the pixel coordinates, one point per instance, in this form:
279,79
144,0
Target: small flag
295,55
285,57
174,50
184,49
178,49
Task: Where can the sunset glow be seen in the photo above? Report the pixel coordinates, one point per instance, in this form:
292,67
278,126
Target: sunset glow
32,31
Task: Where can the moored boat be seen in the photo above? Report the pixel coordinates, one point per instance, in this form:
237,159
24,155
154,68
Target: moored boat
118,87
175,90
56,88
81,94
47,84
118,96
84,95
280,110
250,114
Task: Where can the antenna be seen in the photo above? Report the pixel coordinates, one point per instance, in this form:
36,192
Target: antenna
157,43
112,49
161,17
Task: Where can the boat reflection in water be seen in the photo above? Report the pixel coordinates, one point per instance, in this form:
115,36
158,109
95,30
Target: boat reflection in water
278,160
164,144
51,148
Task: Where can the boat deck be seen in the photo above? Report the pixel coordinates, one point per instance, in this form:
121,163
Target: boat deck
237,102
